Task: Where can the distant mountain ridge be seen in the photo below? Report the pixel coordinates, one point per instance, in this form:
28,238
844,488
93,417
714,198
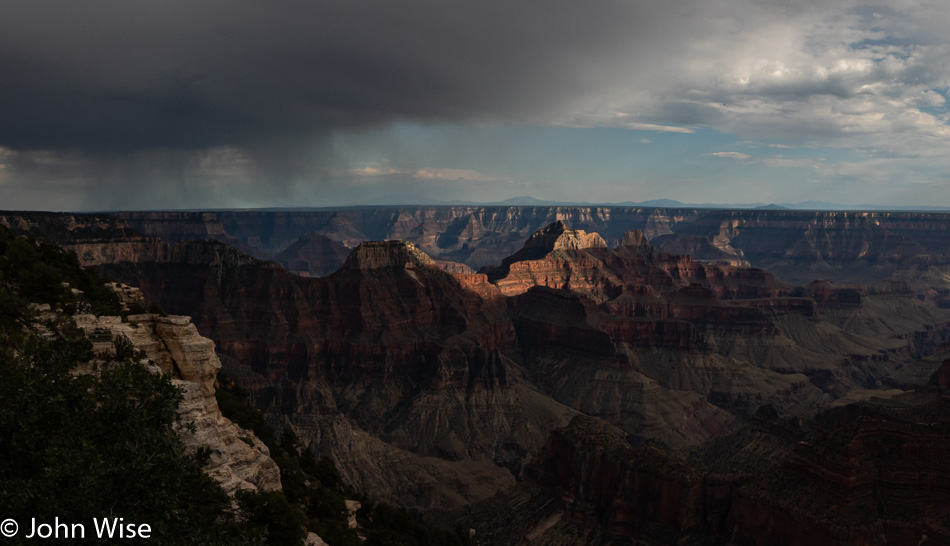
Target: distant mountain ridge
663,203
528,201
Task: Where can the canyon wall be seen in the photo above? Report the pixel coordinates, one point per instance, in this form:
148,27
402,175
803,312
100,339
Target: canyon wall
238,460
466,374
798,246
437,388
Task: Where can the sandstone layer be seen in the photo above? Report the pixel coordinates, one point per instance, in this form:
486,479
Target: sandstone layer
238,460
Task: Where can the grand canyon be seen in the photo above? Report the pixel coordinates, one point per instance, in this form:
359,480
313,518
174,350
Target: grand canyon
429,273
565,374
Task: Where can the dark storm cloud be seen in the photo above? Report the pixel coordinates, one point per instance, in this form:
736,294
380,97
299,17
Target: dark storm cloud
119,75
112,104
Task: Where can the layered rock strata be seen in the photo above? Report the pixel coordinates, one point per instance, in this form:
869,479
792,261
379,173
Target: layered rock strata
799,246
95,238
238,460
389,358
450,382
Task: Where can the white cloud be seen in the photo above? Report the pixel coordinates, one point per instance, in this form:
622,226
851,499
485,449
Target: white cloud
425,173
731,155
655,127
373,171
786,162
453,174
841,73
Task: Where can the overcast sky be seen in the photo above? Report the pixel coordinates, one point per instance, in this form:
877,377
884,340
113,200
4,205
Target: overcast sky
114,104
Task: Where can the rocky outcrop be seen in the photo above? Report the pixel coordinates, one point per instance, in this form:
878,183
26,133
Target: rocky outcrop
634,238
129,296
388,254
559,258
238,460
558,236
548,259
455,267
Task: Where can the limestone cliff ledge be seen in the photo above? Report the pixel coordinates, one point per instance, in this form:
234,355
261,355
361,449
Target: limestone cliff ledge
239,460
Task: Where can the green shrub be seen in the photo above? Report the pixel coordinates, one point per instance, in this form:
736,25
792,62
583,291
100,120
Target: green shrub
40,272
89,446
283,522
